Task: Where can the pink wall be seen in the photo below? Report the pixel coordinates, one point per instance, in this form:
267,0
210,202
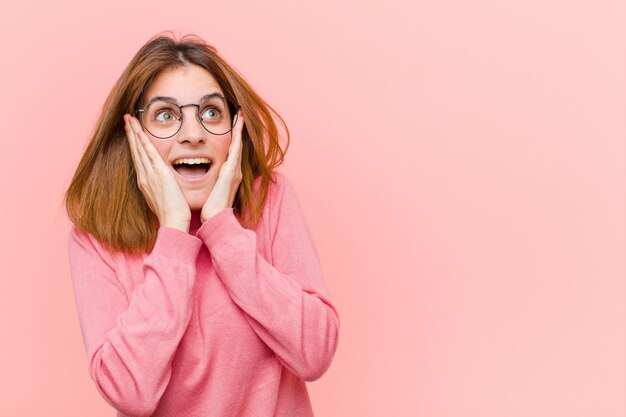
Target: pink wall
461,164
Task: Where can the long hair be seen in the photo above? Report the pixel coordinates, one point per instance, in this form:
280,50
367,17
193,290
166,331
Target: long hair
104,199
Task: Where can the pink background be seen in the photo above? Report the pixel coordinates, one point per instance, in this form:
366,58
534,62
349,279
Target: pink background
461,164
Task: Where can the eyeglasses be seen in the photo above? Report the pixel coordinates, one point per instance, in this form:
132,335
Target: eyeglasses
163,119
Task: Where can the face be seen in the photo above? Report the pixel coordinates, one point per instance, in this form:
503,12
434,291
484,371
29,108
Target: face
188,85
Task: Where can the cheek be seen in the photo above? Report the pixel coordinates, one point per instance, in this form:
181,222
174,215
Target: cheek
162,147
222,147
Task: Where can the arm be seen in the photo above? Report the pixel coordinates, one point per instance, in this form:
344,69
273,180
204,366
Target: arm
286,302
130,340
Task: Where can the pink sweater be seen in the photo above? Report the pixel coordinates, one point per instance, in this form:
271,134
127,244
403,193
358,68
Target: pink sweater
223,321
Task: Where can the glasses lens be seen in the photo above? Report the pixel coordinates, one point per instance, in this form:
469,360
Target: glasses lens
161,119
217,115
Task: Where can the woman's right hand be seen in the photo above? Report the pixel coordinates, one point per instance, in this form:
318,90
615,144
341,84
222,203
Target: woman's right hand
155,179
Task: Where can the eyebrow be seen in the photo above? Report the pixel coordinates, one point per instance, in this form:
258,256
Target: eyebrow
173,100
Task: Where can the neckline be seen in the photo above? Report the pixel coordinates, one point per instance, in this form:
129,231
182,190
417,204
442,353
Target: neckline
195,223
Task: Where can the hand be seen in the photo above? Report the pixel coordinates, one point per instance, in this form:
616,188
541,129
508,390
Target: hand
225,189
156,180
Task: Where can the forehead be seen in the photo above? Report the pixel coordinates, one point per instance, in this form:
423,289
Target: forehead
185,84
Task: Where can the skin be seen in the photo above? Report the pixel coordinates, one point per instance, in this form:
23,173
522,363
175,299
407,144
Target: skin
169,196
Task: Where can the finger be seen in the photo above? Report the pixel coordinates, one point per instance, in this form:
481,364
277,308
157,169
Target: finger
155,158
142,177
157,162
143,139
146,150
132,143
141,147
238,150
235,143
240,121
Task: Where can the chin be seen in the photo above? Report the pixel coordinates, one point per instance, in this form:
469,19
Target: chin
196,200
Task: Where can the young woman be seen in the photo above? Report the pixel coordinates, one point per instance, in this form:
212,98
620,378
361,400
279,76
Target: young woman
198,286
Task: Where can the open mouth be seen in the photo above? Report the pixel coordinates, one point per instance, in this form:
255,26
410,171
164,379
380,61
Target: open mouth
192,171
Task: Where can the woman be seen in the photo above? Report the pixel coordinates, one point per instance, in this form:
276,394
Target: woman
197,283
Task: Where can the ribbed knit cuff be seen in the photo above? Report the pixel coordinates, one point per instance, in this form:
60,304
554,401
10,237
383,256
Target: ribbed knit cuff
215,231
174,243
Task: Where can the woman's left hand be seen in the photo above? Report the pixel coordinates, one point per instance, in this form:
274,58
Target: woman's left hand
225,189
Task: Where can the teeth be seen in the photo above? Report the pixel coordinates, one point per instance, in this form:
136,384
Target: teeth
191,161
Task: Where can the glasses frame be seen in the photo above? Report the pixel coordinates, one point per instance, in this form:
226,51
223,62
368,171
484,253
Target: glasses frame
236,106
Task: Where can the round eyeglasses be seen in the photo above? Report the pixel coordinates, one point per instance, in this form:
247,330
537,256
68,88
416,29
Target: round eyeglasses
163,119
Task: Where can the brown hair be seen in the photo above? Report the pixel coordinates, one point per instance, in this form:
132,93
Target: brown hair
104,199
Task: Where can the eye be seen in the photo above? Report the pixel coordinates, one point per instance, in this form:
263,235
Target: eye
168,116
211,113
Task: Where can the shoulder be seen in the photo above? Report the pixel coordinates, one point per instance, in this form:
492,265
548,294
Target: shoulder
277,180
281,201
82,243
285,205
278,186
283,184
283,195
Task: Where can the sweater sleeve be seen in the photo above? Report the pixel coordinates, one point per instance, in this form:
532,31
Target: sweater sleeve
286,301
130,339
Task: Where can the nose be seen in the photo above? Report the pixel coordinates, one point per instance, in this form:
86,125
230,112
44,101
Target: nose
191,129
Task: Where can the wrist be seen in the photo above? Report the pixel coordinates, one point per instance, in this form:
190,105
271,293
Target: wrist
219,212
207,214
184,227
